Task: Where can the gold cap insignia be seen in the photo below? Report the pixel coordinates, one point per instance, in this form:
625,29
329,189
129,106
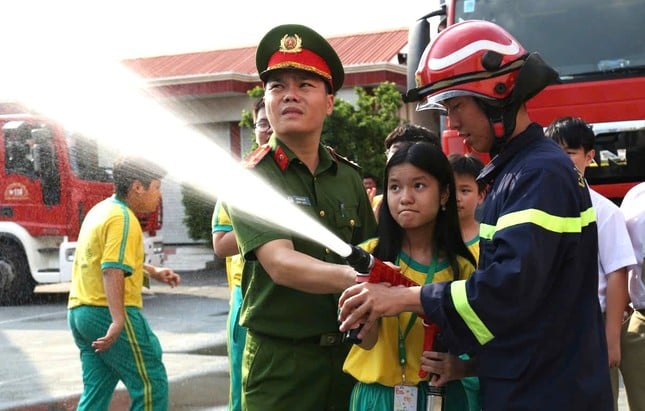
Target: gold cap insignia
291,44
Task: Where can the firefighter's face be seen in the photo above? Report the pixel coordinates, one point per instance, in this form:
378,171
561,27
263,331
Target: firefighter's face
467,117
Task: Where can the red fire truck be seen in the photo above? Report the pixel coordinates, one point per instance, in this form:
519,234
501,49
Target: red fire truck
597,48
49,178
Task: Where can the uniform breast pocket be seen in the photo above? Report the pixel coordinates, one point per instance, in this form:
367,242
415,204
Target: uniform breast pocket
347,221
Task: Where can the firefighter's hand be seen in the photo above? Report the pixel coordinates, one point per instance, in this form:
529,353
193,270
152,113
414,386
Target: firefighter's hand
104,343
365,303
166,275
445,367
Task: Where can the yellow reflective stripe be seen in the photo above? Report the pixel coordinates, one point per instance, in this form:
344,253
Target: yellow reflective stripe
470,317
540,218
486,231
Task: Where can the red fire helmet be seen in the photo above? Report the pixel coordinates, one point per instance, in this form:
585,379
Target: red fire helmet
474,57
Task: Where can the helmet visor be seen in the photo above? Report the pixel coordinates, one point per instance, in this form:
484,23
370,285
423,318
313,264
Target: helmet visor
435,101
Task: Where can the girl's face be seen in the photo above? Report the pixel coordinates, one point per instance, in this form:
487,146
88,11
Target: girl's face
413,196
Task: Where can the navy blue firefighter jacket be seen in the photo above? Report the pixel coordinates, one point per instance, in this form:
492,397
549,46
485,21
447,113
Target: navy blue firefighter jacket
530,313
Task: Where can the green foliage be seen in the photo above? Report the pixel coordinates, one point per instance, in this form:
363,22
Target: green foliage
357,131
198,213
247,116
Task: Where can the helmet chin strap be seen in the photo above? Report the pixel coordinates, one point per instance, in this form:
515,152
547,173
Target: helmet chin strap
502,121
533,76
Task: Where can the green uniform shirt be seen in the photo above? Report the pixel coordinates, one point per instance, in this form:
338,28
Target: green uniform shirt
334,196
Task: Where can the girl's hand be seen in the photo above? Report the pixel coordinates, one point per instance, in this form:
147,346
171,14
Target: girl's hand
443,367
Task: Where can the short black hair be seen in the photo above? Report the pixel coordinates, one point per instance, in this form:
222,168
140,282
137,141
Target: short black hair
571,132
127,169
468,164
259,105
412,133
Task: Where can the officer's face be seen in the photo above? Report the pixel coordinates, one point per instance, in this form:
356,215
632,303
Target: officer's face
470,121
297,103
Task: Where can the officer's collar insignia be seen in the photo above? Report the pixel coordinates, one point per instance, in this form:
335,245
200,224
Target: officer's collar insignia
291,44
254,158
281,158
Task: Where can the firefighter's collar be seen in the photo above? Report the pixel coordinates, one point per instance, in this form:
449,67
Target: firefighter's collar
518,143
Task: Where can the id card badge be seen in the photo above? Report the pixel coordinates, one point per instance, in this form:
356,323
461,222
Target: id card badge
405,397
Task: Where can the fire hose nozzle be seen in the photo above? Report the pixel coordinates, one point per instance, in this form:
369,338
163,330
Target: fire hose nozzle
360,260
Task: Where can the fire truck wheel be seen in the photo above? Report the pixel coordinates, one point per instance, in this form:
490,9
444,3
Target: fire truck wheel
16,283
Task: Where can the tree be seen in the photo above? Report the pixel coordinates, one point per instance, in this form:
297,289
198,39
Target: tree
355,131
198,213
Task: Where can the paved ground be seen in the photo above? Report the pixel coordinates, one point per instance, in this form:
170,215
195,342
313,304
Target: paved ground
196,362
198,382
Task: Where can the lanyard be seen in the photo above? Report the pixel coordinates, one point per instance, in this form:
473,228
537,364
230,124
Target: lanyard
403,335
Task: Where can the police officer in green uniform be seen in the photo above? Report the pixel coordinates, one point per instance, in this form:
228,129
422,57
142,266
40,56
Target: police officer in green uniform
294,354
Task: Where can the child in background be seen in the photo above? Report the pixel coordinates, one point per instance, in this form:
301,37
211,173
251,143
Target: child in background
419,232
470,194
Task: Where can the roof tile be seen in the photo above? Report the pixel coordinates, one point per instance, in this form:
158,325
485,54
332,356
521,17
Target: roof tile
357,49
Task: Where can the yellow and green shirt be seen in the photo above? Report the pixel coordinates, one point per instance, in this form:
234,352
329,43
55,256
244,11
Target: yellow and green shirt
110,237
235,263
381,363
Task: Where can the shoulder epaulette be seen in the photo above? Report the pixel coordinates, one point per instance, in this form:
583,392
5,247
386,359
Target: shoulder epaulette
254,158
345,160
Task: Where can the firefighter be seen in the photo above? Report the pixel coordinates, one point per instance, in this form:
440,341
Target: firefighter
530,313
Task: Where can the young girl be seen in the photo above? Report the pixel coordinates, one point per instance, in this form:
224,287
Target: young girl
419,232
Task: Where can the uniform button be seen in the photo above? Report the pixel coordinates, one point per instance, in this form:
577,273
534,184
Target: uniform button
327,250
322,213
352,223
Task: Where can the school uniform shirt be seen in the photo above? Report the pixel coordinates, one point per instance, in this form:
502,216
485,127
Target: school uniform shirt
473,247
110,237
222,222
614,245
633,209
380,364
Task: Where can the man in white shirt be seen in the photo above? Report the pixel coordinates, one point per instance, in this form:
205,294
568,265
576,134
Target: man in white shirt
614,246
633,338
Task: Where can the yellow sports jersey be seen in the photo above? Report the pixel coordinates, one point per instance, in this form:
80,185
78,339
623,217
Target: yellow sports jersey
473,247
381,363
110,237
234,264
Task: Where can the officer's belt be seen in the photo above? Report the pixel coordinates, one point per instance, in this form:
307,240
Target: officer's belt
323,340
